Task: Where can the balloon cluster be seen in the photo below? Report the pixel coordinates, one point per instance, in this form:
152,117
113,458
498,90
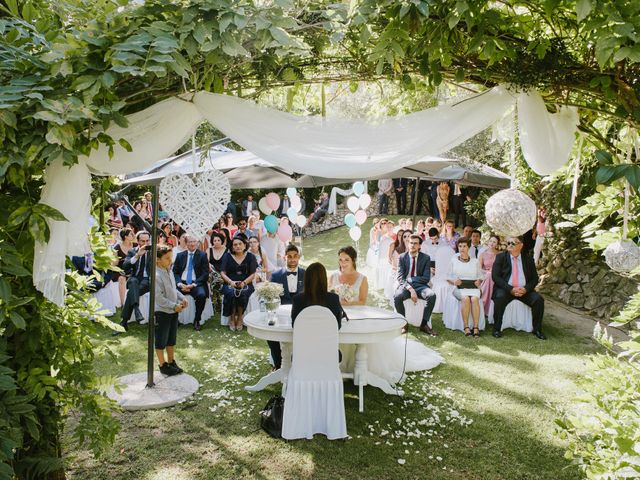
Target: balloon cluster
270,203
357,205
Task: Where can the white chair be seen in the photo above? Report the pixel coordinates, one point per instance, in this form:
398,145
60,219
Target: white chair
314,398
452,315
253,304
517,315
413,311
439,283
184,317
109,298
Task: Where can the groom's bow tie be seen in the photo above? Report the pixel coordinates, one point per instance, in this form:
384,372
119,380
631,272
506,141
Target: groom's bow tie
292,273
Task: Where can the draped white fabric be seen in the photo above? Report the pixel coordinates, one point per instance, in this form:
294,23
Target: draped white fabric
306,145
333,198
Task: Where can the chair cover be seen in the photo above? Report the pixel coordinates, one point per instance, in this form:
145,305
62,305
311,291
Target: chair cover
185,317
109,298
314,399
413,311
452,315
440,286
253,304
517,315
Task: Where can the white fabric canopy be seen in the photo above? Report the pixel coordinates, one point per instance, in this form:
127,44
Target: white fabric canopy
347,149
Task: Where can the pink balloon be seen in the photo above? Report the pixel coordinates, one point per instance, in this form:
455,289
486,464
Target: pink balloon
296,203
273,200
285,233
361,217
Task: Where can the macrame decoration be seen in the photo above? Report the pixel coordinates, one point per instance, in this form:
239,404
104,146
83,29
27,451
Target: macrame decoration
195,203
510,212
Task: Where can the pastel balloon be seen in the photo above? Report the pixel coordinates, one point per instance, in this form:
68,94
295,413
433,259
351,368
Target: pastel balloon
285,233
358,188
296,203
353,203
361,216
292,213
273,200
301,221
264,207
271,223
365,201
291,192
355,233
350,220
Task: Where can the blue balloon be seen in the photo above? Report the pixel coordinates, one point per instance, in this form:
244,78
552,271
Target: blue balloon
271,223
358,188
350,220
292,213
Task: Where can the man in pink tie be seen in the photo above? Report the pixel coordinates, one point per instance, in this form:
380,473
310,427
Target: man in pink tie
515,277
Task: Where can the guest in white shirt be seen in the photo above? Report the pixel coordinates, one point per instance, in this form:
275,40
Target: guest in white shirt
248,206
431,245
274,249
476,247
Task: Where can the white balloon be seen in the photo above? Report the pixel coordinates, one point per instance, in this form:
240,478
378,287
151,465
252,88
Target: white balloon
291,191
353,204
301,221
365,201
264,207
296,203
355,233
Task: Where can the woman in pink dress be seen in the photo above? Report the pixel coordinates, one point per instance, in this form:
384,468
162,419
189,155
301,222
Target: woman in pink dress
486,259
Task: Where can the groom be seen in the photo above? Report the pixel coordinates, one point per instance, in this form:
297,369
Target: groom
292,279
414,272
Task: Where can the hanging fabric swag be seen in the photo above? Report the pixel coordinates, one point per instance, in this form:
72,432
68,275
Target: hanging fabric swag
309,145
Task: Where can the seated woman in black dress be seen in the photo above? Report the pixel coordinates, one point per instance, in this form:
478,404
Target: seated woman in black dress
315,292
237,270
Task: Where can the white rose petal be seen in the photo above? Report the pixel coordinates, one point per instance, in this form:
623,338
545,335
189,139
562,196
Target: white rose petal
402,461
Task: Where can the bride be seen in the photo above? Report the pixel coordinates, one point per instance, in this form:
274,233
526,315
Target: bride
385,359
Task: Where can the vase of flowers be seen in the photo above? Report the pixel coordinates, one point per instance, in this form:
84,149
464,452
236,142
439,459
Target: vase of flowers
269,296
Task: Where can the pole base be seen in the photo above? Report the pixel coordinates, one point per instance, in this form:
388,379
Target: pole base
166,392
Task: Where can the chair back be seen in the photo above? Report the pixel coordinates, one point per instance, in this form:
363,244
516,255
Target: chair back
315,345
443,258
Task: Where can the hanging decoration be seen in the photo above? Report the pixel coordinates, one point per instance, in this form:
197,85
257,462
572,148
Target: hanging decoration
622,256
195,203
510,212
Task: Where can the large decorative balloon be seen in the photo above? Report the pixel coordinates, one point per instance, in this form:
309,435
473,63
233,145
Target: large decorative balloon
361,216
264,207
622,256
355,233
273,200
358,188
350,220
296,203
285,233
365,200
301,221
271,223
510,212
292,213
291,191
353,203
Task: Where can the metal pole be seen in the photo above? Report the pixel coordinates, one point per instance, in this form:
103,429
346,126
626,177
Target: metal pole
415,201
152,288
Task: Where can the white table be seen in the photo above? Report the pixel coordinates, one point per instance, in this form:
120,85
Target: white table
366,325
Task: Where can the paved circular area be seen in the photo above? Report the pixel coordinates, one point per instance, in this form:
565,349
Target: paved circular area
167,391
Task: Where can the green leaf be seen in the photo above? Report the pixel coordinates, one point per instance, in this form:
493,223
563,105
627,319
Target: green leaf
604,157
17,320
126,145
49,116
18,216
50,212
583,8
280,35
9,118
61,135
5,290
19,301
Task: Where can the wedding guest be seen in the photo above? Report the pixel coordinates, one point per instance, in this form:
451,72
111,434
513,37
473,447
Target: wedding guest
541,227
466,231
476,246
113,218
261,259
232,209
242,228
428,223
414,274
248,206
84,266
285,204
274,250
321,210
387,239
316,292
253,229
385,185
137,266
172,240
238,270
433,202
114,237
420,229
400,189
229,226
138,217
122,249
145,210
438,224
124,211
487,258
443,200
466,275
457,205
431,244
374,236
162,238
191,269
515,277
215,254
292,280
348,278
220,227
148,198
169,302
450,236
259,224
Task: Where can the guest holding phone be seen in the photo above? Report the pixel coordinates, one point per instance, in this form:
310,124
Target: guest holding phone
465,273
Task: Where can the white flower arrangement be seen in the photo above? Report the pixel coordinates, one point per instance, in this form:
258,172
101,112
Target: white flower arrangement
345,292
269,291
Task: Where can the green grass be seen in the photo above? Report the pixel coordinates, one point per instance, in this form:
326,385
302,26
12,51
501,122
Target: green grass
487,413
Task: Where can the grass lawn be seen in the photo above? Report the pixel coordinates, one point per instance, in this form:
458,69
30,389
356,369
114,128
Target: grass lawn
487,413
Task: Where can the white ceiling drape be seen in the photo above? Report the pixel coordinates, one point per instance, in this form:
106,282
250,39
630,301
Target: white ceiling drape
307,145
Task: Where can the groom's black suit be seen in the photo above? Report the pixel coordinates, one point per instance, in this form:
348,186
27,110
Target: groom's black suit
501,274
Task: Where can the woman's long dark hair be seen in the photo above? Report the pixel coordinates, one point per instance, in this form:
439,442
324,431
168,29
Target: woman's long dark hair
315,284
399,245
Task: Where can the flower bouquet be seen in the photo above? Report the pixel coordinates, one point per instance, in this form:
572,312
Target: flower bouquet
269,295
345,292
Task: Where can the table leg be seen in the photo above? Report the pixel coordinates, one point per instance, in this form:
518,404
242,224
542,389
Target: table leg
279,375
362,376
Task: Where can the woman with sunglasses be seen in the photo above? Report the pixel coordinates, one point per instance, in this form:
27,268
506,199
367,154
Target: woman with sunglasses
238,270
229,225
466,275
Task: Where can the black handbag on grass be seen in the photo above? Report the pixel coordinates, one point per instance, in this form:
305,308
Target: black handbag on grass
271,416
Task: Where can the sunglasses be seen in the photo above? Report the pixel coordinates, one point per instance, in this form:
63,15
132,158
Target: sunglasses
512,244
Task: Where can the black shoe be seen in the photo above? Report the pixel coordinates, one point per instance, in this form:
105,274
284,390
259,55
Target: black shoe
496,334
175,366
428,330
167,369
196,326
139,316
539,335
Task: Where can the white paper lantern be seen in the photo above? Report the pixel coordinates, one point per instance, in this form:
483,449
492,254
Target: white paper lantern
510,212
622,256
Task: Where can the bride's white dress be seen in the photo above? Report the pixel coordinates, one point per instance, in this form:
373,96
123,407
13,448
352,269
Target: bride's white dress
387,359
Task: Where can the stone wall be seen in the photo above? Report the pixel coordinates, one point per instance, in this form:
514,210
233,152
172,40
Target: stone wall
580,278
